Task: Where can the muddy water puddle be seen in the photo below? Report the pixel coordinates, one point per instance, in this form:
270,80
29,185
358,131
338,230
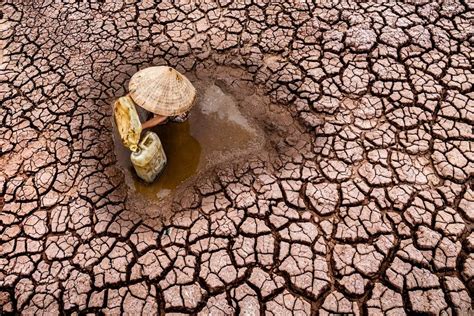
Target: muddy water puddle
215,132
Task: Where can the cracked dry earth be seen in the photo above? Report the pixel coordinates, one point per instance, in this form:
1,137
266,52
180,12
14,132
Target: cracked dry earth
366,207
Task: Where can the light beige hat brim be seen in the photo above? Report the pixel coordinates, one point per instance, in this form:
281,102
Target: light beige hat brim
162,90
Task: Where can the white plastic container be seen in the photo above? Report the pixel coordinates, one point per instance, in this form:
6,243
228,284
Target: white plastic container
150,159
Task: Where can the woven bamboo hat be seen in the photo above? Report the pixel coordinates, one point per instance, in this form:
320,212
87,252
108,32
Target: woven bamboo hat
162,90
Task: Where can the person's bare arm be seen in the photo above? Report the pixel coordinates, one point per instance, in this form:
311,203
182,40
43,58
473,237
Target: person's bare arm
157,119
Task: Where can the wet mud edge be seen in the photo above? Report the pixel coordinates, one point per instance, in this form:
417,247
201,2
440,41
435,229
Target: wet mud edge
272,123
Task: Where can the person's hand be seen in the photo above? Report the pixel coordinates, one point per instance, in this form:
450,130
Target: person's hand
157,119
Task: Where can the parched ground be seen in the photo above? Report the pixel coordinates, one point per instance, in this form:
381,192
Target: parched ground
368,208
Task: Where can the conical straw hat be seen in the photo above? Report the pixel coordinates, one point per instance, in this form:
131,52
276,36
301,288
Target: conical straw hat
162,90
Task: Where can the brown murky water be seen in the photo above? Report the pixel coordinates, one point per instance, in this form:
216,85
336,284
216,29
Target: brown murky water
215,132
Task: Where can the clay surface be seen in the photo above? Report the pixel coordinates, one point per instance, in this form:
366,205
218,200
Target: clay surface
360,199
